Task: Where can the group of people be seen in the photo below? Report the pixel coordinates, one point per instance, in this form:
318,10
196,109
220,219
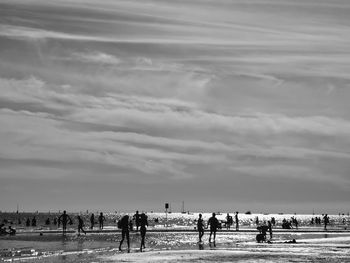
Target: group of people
10,231
318,221
141,221
288,224
100,220
229,221
213,225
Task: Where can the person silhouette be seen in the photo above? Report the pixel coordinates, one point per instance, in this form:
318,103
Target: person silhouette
81,225
228,221
124,225
237,221
136,217
101,219
64,220
92,221
28,222
143,223
34,221
269,225
325,221
200,227
213,222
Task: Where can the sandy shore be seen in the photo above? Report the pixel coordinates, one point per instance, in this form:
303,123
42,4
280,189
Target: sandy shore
311,250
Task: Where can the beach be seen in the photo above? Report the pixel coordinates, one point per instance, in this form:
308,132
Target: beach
178,242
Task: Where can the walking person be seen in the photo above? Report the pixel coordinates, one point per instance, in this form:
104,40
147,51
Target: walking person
124,225
101,219
200,227
325,221
213,222
269,225
143,223
92,221
80,225
237,221
136,217
34,221
64,220
229,221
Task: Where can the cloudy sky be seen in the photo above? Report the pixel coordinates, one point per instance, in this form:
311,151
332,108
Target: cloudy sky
224,104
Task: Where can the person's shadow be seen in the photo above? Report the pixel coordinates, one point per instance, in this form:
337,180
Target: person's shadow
200,246
212,244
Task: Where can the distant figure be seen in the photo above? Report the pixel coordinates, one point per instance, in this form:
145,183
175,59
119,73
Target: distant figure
296,223
286,224
257,220
143,223
101,219
3,230
92,221
325,221
19,221
200,227
237,221
28,222
229,221
124,225
213,222
136,217
131,226
12,231
312,221
273,221
55,221
269,225
261,237
81,225
293,241
47,221
64,220
34,221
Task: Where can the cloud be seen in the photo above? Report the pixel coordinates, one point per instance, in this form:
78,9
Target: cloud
96,57
148,112
162,92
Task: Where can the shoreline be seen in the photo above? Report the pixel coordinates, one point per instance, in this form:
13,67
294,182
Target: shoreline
186,231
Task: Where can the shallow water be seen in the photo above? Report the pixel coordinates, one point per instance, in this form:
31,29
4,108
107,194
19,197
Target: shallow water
90,247
51,246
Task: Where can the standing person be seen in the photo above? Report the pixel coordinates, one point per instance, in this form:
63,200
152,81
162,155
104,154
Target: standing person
269,225
296,223
81,225
136,217
325,221
34,221
92,221
28,222
237,221
213,222
64,220
124,225
228,221
143,223
200,227
101,219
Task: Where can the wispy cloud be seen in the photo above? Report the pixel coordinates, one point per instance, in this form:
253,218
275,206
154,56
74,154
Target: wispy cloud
96,57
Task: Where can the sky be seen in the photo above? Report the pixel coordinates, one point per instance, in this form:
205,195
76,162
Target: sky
227,105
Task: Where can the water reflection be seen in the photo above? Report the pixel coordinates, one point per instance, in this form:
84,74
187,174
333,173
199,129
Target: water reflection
200,246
